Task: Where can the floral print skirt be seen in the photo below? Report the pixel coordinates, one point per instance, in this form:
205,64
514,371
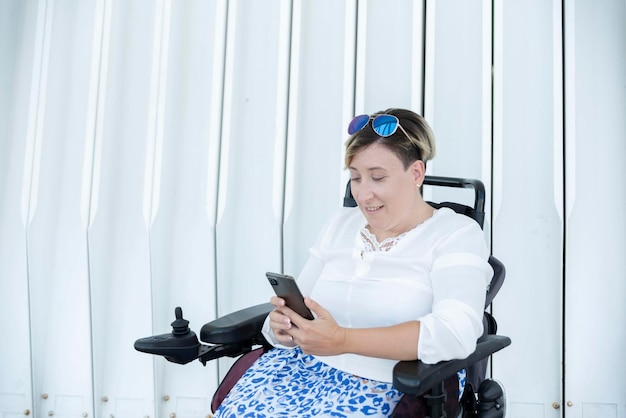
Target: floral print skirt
289,383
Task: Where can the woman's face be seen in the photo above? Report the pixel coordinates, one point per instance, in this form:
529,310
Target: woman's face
385,192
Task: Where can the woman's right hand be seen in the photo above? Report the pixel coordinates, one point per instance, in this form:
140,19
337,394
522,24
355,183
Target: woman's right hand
280,323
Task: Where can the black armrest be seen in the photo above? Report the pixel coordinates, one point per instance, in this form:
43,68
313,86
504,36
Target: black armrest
236,327
417,378
231,335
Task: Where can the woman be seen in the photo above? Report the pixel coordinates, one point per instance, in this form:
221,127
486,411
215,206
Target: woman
395,280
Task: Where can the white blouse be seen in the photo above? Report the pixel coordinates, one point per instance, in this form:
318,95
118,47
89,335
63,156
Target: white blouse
436,273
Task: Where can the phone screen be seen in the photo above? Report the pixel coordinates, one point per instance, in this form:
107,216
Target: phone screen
285,287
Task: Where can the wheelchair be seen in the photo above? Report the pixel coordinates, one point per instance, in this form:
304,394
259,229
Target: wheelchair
431,390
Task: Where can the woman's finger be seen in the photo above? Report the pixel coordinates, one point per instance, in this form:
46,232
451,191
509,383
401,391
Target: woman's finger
277,302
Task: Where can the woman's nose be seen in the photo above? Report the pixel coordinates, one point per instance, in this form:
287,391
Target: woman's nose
363,193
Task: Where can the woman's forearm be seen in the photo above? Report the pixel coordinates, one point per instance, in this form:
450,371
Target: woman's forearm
397,342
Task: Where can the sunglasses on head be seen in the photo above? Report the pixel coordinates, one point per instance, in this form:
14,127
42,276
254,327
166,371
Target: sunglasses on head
383,125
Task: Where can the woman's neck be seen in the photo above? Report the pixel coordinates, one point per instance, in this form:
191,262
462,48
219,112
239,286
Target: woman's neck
419,215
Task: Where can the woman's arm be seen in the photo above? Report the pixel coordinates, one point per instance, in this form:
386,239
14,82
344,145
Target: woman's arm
459,280
450,331
325,337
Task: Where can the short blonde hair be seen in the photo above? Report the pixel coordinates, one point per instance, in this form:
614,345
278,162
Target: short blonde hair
419,145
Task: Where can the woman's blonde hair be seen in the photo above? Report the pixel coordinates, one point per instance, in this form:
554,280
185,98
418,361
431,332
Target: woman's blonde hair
417,144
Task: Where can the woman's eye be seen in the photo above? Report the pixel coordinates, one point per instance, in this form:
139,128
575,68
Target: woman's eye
355,180
378,178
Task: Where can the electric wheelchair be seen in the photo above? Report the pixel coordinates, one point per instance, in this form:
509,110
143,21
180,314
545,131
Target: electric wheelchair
431,390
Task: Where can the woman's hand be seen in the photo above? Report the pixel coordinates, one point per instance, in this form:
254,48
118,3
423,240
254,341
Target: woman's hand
281,323
324,337
321,336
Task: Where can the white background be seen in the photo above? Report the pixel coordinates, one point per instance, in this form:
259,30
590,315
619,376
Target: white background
163,153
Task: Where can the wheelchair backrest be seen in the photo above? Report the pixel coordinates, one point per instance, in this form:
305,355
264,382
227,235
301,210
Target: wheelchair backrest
477,212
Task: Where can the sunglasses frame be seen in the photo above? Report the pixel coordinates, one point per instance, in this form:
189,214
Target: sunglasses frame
373,120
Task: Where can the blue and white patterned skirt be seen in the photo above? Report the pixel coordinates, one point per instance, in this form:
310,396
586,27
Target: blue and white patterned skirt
289,383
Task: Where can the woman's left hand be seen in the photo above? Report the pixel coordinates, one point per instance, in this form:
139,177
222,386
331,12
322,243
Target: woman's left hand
321,336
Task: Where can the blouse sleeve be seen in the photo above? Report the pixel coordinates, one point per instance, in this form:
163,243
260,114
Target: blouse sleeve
460,275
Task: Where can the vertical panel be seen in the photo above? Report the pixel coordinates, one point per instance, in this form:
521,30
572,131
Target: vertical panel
118,235
56,236
252,157
458,90
186,142
595,335
527,213
320,108
20,46
389,56
253,151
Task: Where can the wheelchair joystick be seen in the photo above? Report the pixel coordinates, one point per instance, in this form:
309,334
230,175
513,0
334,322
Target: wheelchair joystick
180,326
180,346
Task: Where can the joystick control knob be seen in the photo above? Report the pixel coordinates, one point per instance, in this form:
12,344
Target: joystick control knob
180,326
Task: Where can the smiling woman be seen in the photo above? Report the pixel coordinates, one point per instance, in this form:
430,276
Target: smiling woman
394,270
380,183
387,170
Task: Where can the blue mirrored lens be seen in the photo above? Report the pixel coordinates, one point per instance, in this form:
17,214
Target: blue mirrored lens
385,125
358,123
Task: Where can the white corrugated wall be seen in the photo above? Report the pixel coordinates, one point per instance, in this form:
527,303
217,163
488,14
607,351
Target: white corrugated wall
162,153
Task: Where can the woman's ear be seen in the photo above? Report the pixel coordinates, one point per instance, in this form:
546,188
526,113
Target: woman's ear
418,169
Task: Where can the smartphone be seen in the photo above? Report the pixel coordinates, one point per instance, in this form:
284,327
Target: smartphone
285,287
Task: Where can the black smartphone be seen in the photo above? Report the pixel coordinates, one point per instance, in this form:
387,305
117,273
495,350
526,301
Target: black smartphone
285,287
